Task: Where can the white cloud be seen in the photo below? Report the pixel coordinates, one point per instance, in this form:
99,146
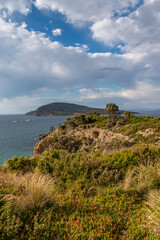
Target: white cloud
144,94
112,21
90,10
22,6
144,91
90,96
31,64
21,105
138,27
57,32
98,93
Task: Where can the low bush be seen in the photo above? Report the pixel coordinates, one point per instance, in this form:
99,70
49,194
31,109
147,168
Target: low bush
111,215
95,133
99,169
22,164
62,141
117,144
79,119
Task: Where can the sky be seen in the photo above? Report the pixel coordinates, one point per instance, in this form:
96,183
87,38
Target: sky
86,52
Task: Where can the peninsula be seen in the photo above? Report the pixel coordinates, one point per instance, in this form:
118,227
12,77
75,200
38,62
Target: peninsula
94,177
66,109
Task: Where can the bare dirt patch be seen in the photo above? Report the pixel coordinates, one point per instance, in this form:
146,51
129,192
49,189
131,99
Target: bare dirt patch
147,132
104,135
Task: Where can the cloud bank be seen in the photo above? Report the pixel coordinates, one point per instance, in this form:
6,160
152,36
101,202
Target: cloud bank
22,6
90,10
32,64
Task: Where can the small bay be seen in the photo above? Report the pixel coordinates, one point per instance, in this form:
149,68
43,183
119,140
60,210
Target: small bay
19,133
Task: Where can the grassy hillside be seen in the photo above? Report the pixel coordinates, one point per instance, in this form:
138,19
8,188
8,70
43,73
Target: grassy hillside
86,180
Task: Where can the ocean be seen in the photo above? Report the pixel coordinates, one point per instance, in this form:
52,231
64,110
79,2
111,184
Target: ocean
19,133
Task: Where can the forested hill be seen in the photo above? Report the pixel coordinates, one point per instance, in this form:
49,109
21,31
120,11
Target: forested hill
59,109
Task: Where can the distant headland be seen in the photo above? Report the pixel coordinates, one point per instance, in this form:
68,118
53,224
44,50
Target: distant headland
66,109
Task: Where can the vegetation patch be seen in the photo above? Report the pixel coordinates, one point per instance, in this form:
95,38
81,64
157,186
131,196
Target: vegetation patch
92,178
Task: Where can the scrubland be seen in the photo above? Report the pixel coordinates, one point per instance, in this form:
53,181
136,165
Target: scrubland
86,180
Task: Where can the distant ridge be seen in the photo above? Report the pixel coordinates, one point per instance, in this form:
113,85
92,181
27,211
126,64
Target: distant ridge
63,109
66,109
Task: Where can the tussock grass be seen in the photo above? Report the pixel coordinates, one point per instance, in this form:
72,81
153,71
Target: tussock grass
153,201
142,178
7,178
34,190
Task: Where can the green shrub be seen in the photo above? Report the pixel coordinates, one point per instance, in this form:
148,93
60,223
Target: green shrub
117,144
95,133
22,164
11,224
99,169
111,215
79,120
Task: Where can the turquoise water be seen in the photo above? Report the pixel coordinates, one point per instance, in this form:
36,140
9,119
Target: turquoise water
18,133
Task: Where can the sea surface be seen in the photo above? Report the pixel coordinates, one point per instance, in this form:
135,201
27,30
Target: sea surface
19,133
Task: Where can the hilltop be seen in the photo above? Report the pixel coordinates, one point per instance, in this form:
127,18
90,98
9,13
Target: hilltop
62,109
65,109
91,133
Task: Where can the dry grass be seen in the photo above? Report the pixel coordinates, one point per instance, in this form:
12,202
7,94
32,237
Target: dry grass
142,178
7,178
129,179
35,190
153,201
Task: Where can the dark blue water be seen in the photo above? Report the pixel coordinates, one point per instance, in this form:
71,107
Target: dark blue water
18,133
153,113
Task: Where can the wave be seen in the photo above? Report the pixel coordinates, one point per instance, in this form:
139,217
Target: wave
26,120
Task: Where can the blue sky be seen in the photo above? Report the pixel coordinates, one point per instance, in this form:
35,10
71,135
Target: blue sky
46,21
86,52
